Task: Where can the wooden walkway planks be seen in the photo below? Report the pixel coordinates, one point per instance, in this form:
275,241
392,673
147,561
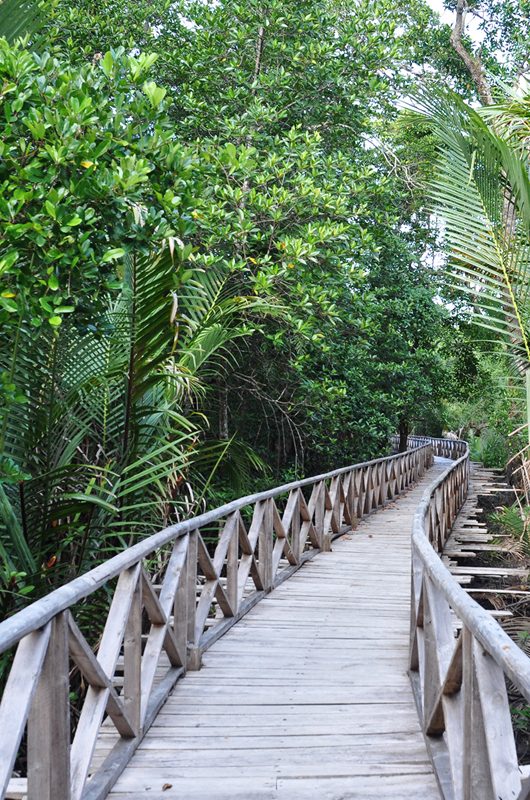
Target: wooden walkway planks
308,695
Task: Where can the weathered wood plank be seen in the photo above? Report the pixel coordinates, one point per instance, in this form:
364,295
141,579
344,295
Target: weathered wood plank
227,587
49,722
18,696
97,697
286,692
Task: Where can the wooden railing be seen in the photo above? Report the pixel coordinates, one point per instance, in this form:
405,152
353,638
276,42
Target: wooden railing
167,599
460,659
444,448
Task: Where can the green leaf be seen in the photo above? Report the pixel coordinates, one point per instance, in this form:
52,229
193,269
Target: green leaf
113,255
19,17
55,321
7,261
139,66
92,499
51,209
15,532
8,305
155,93
229,154
107,63
45,304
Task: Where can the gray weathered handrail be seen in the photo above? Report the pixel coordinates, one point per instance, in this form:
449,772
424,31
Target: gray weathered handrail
40,612
460,659
442,447
158,625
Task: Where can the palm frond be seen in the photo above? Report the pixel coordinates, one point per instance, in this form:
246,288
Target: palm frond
106,441
19,17
482,192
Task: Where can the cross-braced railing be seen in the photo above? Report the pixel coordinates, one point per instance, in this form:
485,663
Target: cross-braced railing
444,448
460,659
168,598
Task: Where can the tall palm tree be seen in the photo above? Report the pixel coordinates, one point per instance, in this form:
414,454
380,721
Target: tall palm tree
482,193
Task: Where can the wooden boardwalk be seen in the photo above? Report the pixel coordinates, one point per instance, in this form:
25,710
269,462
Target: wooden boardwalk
304,692
308,696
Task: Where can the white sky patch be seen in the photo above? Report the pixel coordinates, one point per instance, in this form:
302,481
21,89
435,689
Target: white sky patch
445,16
187,23
449,17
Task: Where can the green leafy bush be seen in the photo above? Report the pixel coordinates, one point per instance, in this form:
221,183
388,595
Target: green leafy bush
89,170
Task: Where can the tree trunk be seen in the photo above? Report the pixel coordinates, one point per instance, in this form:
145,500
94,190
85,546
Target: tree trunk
403,435
223,413
473,64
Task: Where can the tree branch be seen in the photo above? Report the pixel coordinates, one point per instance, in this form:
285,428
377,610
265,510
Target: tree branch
259,54
472,63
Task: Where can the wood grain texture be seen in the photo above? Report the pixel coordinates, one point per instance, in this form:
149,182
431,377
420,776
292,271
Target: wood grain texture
459,656
169,605
49,722
308,696
304,691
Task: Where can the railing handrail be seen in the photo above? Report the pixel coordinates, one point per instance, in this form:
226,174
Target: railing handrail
459,677
514,662
160,621
445,439
38,613
460,660
446,443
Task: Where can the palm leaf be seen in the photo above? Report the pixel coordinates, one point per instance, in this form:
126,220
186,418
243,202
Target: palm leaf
109,431
482,192
14,535
19,17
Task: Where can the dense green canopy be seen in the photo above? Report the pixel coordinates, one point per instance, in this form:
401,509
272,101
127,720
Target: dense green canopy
219,262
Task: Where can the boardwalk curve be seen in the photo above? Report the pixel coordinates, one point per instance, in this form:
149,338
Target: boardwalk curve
308,696
296,603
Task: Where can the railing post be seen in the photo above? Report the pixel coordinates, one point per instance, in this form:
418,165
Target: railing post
181,611
351,499
194,653
295,526
49,722
360,492
330,503
265,546
319,495
232,564
132,660
467,692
